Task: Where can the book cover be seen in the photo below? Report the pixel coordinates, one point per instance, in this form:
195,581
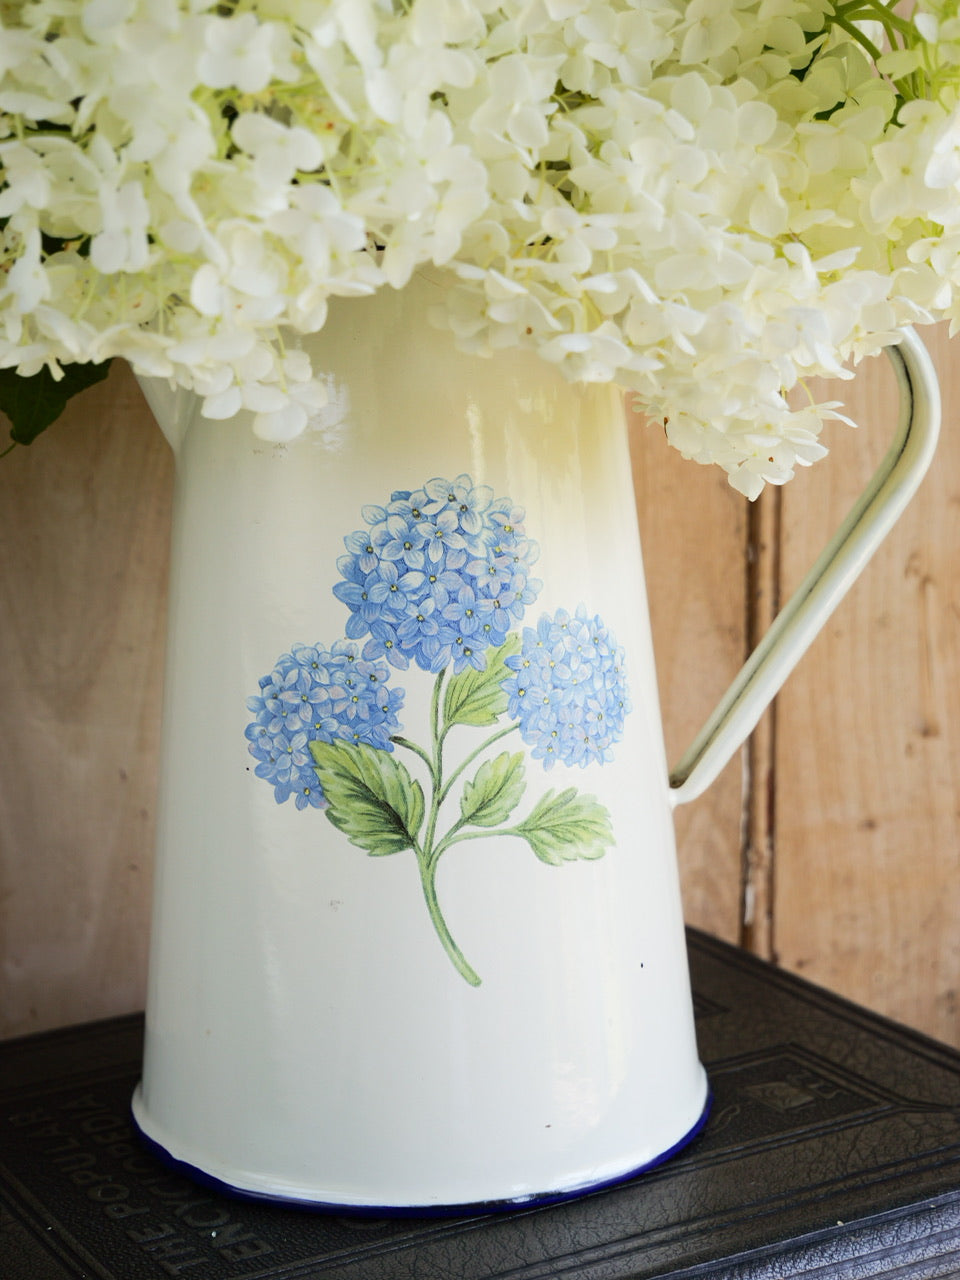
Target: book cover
833,1151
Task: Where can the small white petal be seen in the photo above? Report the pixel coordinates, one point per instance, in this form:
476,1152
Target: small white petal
226,404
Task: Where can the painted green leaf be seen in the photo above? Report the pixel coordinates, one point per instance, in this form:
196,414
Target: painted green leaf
567,826
476,697
372,797
33,403
493,794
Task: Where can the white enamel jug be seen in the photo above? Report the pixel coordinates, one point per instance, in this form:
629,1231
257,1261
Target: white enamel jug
418,941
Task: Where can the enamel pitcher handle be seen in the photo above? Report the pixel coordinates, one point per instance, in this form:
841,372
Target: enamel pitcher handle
869,521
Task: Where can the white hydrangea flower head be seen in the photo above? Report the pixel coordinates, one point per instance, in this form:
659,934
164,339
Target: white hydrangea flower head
706,201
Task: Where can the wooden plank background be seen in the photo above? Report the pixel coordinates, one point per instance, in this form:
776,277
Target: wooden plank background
831,846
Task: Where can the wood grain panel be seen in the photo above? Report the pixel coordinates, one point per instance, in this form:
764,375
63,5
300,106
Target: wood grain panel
693,528
84,517
867,763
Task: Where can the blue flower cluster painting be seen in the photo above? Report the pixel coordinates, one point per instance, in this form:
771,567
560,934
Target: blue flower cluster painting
568,689
440,578
315,695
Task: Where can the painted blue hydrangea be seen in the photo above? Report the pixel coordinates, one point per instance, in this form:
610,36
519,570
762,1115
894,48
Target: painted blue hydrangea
316,694
569,690
439,575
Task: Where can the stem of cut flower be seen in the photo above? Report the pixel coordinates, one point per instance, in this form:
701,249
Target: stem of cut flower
872,11
856,34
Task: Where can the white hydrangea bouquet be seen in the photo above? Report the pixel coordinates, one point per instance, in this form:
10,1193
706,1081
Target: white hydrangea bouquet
705,201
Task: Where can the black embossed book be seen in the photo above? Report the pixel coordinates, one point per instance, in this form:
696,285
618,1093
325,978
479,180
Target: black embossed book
832,1152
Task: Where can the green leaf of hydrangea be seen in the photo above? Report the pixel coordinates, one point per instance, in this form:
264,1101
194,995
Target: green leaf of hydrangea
476,697
372,797
564,827
33,403
493,794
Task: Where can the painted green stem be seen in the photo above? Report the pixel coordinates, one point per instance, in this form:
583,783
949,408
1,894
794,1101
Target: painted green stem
417,750
428,853
456,836
461,768
428,877
436,769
